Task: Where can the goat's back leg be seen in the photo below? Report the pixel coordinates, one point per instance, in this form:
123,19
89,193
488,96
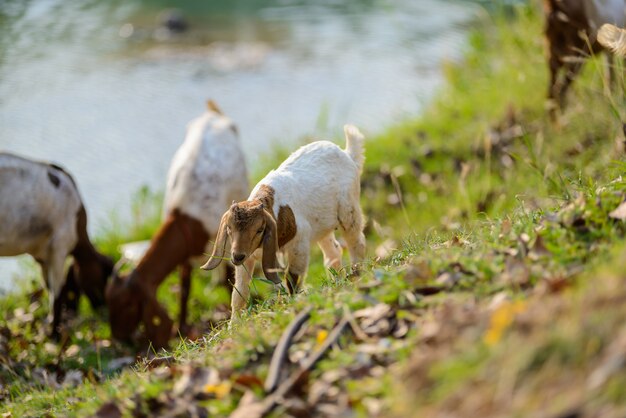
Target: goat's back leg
351,221
298,257
331,250
185,288
70,293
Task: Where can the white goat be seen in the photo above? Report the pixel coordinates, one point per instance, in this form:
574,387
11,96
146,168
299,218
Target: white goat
42,214
207,173
312,193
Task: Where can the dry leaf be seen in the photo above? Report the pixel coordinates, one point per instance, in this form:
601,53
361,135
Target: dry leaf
73,378
220,390
249,381
109,410
120,363
321,337
72,350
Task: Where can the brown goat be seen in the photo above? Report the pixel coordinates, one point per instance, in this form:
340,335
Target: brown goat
132,299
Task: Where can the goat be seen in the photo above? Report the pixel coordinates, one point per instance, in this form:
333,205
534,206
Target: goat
313,192
42,214
570,31
207,173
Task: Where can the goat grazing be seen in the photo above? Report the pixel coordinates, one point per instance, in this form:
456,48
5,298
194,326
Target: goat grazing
207,173
312,193
571,30
42,214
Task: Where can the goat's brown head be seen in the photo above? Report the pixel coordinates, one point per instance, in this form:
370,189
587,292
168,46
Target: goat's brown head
130,304
125,305
249,225
92,275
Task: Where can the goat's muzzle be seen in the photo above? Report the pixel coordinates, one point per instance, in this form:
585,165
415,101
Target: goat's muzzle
238,259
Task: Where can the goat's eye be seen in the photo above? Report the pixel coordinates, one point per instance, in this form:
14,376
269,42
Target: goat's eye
260,230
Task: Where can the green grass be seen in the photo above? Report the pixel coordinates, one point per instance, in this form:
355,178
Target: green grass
480,195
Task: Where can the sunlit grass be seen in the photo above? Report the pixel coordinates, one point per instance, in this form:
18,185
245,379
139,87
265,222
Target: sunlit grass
481,194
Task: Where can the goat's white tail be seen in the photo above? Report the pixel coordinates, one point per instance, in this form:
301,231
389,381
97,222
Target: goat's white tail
613,38
354,145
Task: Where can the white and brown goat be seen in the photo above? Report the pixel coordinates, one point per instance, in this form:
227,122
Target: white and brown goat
42,214
315,191
207,173
571,31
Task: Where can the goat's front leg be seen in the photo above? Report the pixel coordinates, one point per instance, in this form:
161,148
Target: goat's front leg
185,286
298,262
241,290
70,293
53,274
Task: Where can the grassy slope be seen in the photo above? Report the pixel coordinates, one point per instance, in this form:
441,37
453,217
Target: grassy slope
480,195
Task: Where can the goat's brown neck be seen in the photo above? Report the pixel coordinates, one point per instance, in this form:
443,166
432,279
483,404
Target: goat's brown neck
285,221
266,195
179,238
84,249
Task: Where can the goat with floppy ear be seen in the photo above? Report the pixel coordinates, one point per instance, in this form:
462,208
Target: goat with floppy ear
206,174
315,191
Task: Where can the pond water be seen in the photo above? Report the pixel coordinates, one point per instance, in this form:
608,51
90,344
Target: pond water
104,89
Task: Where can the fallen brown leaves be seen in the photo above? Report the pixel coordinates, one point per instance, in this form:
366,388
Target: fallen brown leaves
28,359
294,386
534,366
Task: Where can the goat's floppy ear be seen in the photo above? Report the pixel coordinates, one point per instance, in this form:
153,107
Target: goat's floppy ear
220,245
270,248
213,107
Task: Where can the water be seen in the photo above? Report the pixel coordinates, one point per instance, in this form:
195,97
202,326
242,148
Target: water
99,87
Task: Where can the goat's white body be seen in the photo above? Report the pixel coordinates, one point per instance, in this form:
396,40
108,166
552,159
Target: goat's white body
208,172
38,217
320,183
315,181
600,12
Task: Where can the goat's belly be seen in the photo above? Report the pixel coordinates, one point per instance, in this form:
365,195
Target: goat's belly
13,248
25,238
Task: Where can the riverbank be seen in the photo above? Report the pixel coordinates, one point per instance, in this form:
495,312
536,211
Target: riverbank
495,283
